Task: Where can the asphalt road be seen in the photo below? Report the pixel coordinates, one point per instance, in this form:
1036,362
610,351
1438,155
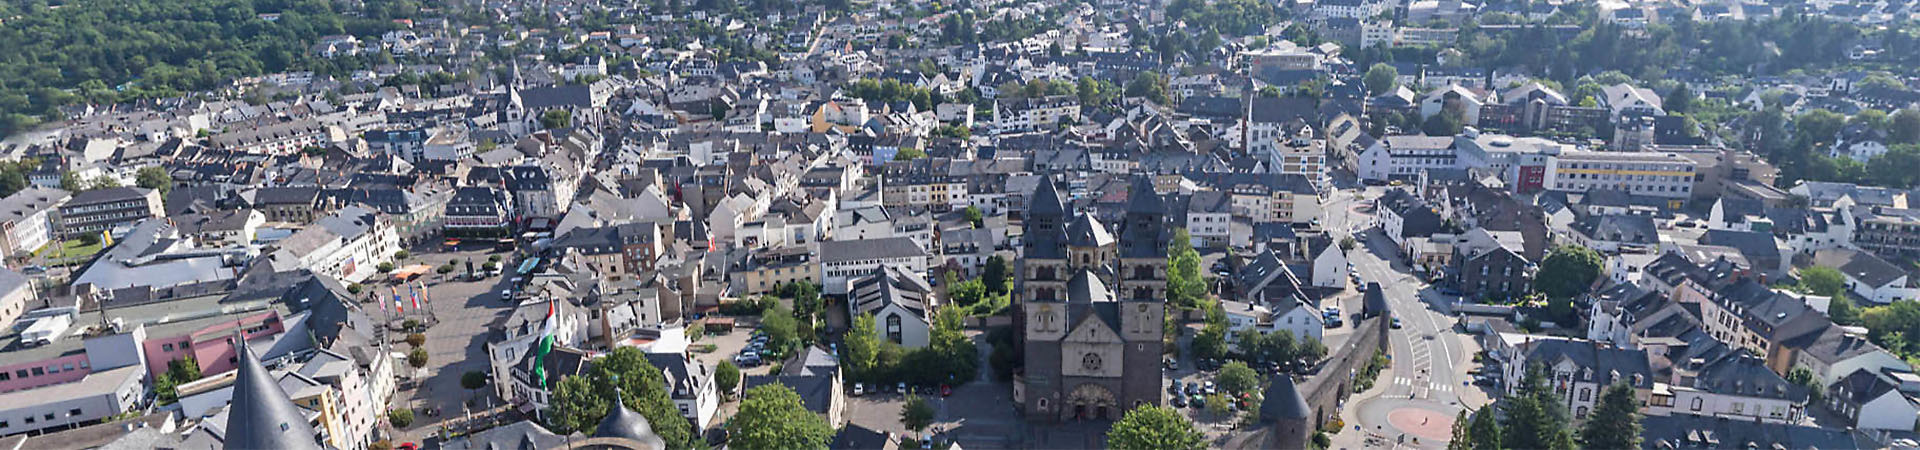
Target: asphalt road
1426,385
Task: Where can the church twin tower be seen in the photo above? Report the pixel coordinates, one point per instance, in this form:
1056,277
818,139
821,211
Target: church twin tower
1091,307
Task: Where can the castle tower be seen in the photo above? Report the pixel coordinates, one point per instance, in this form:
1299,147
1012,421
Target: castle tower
1285,414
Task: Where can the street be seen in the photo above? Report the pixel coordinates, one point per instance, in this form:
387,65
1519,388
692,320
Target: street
1427,384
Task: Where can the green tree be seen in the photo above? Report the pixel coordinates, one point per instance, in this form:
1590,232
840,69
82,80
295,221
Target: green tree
579,402
1535,419
1903,127
1441,124
1802,376
1185,287
1485,431
909,154
556,118
473,379
772,418
1819,280
1151,85
1153,427
995,275
783,331
1238,379
916,414
863,348
401,418
417,357
155,178
1568,271
1679,100
1615,422
726,376
974,216
1461,438
1381,79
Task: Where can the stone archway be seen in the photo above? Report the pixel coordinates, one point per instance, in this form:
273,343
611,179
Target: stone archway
1091,401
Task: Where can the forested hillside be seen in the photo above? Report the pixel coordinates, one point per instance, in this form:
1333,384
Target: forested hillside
117,50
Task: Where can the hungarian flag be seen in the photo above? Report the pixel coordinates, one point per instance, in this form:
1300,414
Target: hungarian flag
544,345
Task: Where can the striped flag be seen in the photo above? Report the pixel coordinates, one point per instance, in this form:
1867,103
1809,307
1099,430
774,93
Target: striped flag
425,296
413,295
544,345
397,306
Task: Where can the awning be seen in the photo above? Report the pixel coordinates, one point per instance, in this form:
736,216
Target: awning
409,272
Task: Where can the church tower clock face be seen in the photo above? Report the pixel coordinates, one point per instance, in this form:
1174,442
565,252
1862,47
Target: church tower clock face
1090,362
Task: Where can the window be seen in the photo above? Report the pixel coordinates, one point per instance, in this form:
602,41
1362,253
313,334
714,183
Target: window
73,412
1698,403
167,347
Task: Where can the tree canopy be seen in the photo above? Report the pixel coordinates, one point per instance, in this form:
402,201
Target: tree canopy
579,402
773,418
1615,422
1153,427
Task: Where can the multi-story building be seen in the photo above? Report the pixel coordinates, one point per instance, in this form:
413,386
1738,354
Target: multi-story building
766,270
91,212
346,245
1405,157
1091,346
479,211
615,252
1661,175
1030,114
1267,197
25,219
279,138
1888,232
1579,370
843,261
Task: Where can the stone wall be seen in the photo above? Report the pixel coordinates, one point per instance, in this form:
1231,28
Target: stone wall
1325,390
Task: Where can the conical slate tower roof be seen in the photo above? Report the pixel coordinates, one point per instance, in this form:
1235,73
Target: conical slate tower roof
262,417
1141,197
1046,200
624,423
1283,401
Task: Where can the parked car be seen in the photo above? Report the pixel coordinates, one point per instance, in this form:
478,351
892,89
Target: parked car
859,389
1173,365
1179,400
1396,323
1210,389
1192,389
902,387
747,359
946,391
1199,402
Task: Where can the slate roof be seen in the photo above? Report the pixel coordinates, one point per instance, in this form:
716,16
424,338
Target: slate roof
1861,266
883,248
1607,364
1661,432
261,415
623,423
1283,401
1743,374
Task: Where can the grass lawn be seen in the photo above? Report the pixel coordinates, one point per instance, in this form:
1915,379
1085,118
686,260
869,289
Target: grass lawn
74,252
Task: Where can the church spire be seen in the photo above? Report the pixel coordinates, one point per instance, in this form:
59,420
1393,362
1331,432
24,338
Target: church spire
261,415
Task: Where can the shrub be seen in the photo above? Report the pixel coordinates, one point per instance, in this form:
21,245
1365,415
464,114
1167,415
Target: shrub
401,418
416,339
403,254
384,267
417,358
354,288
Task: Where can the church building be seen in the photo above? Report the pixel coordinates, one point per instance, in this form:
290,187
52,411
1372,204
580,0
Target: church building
1090,305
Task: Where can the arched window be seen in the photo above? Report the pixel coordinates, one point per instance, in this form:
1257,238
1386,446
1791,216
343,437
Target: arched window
1586,394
